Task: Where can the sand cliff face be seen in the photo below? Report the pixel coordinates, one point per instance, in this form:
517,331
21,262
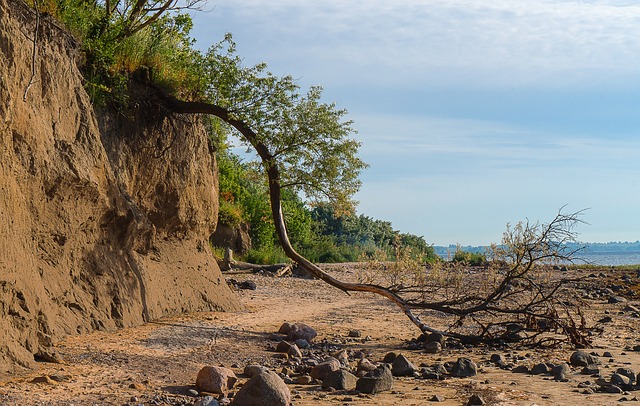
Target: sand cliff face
103,223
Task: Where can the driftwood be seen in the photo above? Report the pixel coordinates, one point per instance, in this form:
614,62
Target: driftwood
230,264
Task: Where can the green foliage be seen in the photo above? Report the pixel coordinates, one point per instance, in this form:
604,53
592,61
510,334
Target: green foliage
309,141
266,255
469,258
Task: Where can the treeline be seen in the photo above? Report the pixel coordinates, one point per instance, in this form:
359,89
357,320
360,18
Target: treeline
319,233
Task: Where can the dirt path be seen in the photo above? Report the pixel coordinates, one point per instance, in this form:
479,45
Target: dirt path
157,363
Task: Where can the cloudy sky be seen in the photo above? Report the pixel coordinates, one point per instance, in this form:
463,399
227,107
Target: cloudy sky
472,113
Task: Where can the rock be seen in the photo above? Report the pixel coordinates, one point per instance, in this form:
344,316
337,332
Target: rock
301,331
432,347
435,338
464,367
285,328
560,372
607,354
376,381
289,349
355,333
625,372
251,370
365,365
340,380
521,369
437,398
43,379
582,359
590,370
613,389
323,369
302,344
389,357
541,368
475,400
631,309
621,381
207,401
265,388
342,357
215,380
303,380
402,366
616,299
498,360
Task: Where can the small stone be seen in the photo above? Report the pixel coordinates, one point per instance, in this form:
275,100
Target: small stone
402,366
613,389
340,380
290,349
432,347
321,370
607,354
521,369
436,338
137,386
475,400
365,365
582,359
303,380
620,380
342,357
590,370
355,333
193,392
437,398
303,344
616,299
389,357
300,330
285,328
207,401
538,369
464,367
251,370
45,379
560,372
498,360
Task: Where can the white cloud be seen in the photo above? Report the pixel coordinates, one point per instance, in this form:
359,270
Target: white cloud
476,41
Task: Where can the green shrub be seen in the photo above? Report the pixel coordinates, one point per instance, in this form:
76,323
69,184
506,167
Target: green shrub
469,258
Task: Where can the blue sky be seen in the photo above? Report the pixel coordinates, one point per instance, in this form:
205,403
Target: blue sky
472,113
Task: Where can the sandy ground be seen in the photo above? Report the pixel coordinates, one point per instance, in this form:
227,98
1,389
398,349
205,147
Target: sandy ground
157,363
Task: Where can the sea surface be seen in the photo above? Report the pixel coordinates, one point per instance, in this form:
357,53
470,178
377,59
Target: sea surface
609,254
610,258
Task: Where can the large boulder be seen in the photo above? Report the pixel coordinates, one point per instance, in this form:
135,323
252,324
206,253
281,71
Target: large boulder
340,380
264,388
378,380
215,380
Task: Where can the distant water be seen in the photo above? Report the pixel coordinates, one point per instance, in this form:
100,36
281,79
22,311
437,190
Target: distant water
610,258
611,254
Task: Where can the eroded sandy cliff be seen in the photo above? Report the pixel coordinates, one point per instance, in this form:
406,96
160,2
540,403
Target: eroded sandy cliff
103,223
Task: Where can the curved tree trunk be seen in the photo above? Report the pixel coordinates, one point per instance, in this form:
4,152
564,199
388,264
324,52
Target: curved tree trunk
273,174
